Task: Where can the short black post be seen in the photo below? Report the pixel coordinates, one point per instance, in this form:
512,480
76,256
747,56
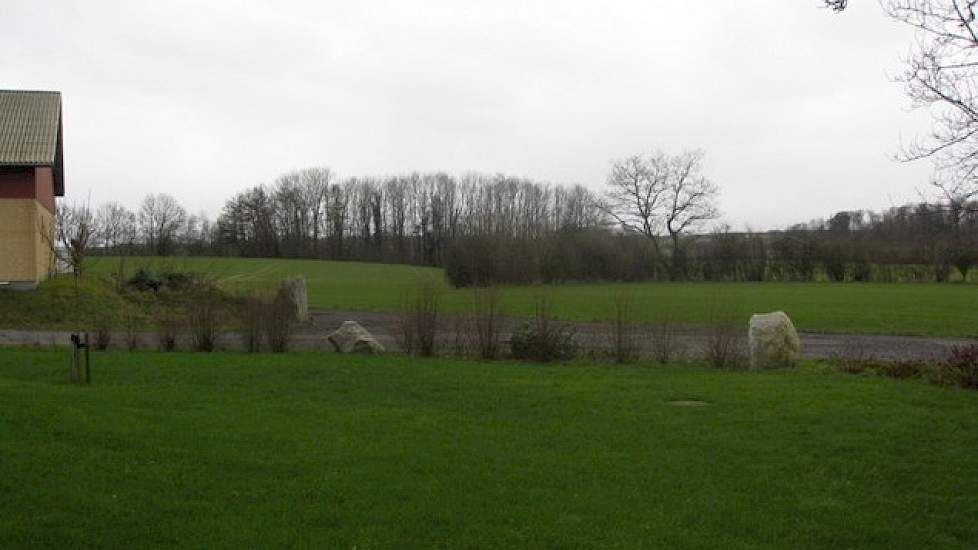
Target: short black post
88,362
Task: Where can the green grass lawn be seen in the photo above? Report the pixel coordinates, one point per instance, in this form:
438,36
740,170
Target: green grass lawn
328,451
889,308
59,304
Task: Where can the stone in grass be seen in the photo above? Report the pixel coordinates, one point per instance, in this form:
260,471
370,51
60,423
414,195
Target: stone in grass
353,338
773,341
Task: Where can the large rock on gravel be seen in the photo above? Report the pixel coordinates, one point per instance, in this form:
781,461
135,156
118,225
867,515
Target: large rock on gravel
773,341
353,338
296,287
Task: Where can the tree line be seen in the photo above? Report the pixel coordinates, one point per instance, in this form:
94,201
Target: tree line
652,221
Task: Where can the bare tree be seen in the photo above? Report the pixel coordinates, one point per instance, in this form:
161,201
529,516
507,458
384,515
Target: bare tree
160,218
315,184
115,223
940,76
690,201
636,186
76,231
661,193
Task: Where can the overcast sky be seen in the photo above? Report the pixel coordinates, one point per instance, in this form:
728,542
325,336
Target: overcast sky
793,103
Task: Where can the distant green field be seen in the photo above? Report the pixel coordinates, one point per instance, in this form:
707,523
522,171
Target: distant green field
885,308
327,451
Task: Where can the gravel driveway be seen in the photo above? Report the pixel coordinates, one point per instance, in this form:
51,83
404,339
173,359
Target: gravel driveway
384,326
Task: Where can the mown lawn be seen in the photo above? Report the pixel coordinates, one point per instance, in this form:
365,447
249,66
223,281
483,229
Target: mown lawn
887,308
328,451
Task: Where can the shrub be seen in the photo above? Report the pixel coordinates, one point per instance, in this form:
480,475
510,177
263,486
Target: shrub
724,346
964,260
131,325
851,358
942,269
900,369
624,333
487,321
144,280
862,270
204,319
252,310
543,338
280,321
419,318
180,281
960,368
835,266
167,326
664,341
103,332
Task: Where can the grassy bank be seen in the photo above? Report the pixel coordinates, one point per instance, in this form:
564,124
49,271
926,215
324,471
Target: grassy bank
230,450
886,308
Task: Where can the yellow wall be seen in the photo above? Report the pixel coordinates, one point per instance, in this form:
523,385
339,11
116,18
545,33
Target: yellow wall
24,255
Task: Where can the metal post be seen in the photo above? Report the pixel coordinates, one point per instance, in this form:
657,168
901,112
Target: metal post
88,362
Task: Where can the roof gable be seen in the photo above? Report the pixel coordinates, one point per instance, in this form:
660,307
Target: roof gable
30,131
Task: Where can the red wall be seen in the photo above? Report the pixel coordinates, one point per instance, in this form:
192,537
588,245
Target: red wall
29,183
44,186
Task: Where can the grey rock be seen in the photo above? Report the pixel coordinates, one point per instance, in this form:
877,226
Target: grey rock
773,341
296,287
353,338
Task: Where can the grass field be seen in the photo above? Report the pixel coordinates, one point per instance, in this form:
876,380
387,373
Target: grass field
327,451
885,308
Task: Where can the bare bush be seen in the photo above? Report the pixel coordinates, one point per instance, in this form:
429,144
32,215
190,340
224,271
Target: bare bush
664,340
167,328
252,309
725,346
281,320
463,335
487,321
131,326
851,358
960,368
131,321
103,332
419,318
543,338
624,333
204,319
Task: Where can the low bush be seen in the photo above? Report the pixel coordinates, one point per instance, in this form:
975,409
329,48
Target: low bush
131,325
852,358
279,324
960,368
624,334
103,332
664,340
543,338
419,318
167,328
204,319
251,317
144,280
901,368
725,345
487,321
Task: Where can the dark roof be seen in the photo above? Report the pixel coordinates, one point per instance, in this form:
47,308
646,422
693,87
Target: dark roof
30,131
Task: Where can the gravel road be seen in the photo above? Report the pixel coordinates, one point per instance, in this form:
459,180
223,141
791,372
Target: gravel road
384,326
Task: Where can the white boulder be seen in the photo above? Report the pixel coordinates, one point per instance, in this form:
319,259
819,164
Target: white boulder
773,341
353,338
296,287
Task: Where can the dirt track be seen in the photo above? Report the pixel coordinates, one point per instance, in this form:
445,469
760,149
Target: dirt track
384,326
